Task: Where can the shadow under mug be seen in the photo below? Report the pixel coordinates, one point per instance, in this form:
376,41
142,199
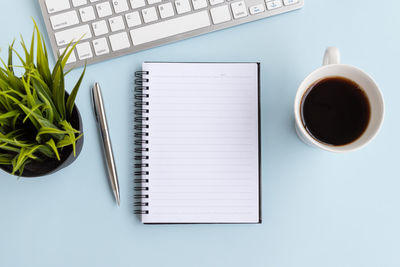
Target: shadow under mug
333,68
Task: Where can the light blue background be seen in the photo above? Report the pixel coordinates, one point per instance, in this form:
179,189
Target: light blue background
319,209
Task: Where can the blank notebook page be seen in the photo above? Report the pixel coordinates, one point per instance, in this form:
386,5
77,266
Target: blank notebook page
203,143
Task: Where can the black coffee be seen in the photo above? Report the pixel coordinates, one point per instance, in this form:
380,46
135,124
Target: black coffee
335,111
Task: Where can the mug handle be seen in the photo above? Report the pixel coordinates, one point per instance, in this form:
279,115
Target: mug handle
332,56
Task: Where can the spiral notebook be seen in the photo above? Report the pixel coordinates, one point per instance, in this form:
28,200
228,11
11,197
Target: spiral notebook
198,143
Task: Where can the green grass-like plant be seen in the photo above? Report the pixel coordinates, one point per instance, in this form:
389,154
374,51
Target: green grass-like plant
35,113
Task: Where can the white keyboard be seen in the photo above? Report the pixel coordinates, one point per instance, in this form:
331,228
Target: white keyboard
111,28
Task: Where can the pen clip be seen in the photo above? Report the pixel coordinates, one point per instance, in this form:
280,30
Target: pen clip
94,102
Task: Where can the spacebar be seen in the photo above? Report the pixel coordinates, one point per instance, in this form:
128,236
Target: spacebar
170,27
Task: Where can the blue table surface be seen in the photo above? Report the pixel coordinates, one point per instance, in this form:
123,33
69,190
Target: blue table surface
319,208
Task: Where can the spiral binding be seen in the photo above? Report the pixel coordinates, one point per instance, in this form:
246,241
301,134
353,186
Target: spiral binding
141,148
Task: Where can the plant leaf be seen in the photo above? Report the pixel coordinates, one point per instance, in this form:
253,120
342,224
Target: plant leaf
10,59
69,49
53,146
31,112
41,57
9,114
37,120
6,159
10,148
48,108
56,133
29,96
58,91
21,159
46,150
74,92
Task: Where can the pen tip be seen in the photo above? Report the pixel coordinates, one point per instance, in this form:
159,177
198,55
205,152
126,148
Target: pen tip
117,198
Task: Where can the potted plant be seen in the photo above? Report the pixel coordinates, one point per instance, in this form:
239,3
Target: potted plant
40,126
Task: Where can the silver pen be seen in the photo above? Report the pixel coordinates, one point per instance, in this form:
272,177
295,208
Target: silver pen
99,112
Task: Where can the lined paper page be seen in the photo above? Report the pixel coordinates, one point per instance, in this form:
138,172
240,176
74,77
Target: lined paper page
203,143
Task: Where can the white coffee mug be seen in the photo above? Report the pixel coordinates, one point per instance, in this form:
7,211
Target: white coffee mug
332,68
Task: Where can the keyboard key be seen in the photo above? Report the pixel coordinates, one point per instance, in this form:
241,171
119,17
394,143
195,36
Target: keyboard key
257,9
137,3
166,10
116,23
84,51
72,57
73,34
92,1
104,9
119,41
101,46
133,19
216,2
290,2
54,6
170,27
64,20
76,3
199,4
239,9
149,14
100,27
153,1
182,6
120,6
273,4
220,14
87,14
